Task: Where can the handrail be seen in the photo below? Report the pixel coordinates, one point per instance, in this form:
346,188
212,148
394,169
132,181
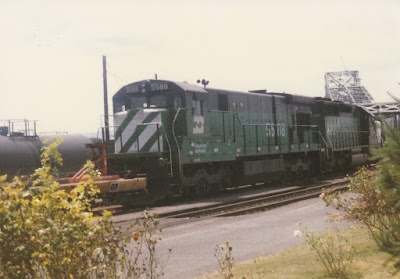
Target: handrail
268,125
177,146
19,127
344,133
326,144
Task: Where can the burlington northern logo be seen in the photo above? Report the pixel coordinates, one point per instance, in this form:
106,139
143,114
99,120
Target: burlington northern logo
198,125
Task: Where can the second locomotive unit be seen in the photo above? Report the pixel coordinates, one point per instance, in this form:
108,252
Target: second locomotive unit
186,139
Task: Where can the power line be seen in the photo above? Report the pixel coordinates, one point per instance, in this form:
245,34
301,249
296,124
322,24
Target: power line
114,75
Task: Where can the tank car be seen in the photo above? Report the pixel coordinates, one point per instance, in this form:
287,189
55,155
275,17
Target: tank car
20,148
186,139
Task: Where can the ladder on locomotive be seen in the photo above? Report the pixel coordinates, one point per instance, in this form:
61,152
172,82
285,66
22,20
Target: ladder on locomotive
326,150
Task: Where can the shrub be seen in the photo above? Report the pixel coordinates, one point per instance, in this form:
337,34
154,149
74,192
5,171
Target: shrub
49,233
376,203
365,205
372,205
332,250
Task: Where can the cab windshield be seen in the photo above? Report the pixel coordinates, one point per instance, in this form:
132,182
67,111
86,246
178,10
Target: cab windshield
138,102
158,101
155,101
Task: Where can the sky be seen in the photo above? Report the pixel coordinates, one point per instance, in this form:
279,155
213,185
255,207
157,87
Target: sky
51,51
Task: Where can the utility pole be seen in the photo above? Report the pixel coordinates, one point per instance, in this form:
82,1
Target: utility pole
107,126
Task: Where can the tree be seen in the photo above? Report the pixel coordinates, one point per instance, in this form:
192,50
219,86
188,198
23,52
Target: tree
388,184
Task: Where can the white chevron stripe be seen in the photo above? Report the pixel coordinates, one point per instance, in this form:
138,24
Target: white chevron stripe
155,147
131,128
146,134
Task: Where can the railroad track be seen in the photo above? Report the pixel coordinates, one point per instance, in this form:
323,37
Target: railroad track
244,205
117,209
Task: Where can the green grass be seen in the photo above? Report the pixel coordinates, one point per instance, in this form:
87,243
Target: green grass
301,262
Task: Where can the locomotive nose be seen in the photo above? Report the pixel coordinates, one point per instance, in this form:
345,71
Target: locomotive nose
138,130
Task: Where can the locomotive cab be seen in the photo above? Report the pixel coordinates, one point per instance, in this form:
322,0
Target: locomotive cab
144,140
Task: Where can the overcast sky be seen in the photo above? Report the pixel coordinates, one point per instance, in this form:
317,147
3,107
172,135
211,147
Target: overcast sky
51,51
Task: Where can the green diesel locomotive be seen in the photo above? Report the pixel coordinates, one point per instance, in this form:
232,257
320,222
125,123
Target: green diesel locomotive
186,139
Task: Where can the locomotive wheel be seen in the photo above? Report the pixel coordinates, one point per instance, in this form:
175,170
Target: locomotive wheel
194,192
284,180
186,192
210,188
202,188
300,174
341,164
215,188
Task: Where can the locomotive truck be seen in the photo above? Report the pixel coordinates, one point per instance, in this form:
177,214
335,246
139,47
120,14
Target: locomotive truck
178,138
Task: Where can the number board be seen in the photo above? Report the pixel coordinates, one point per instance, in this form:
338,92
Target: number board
133,88
159,86
142,88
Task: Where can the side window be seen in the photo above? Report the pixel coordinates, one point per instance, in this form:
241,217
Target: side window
177,102
222,102
197,107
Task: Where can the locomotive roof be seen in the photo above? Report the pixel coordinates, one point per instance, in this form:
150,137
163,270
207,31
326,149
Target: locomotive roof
188,87
288,97
224,91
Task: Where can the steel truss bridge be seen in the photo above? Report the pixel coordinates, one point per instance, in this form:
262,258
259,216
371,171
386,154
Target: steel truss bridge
346,87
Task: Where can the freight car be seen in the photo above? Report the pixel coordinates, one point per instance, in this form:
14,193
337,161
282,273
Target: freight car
188,140
20,148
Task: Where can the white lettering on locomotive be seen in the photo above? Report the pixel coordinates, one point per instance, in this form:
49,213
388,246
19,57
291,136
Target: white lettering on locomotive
270,130
159,86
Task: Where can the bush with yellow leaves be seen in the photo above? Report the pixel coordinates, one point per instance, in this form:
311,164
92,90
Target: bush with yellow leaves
46,232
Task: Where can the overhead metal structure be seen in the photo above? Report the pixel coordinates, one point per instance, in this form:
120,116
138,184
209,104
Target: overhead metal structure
346,87
390,112
382,108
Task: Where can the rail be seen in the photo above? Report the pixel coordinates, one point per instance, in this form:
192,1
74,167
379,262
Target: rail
261,202
246,205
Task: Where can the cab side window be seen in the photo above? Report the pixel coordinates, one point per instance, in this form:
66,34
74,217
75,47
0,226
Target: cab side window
177,102
197,107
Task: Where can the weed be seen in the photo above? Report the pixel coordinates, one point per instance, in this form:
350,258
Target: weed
332,250
223,253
